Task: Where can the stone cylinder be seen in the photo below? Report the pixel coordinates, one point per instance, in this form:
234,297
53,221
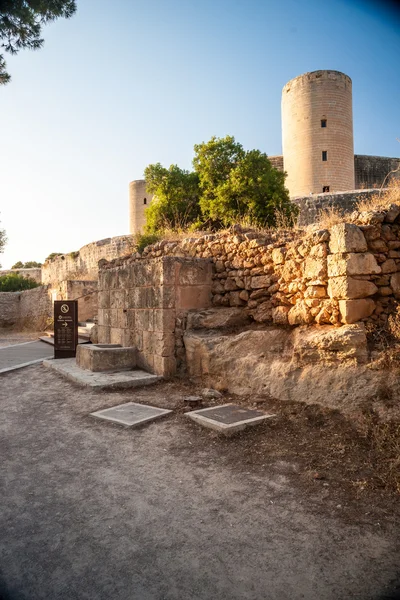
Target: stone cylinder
317,133
139,200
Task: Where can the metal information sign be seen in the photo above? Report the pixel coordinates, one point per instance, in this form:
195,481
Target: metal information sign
65,328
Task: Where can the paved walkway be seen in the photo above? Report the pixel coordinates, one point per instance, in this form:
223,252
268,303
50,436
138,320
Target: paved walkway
20,355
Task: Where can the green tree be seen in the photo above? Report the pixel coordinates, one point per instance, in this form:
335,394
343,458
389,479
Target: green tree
21,24
175,204
237,185
31,264
213,162
16,283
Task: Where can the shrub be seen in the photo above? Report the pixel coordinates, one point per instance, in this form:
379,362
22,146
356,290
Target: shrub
16,283
53,255
145,239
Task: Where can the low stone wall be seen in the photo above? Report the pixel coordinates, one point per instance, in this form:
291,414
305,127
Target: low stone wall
35,274
30,309
310,207
144,303
9,308
83,264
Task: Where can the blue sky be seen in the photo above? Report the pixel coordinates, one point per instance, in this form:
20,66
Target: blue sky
128,83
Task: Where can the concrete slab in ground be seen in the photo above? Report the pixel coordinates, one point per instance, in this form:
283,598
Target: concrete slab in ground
68,368
228,418
23,355
131,414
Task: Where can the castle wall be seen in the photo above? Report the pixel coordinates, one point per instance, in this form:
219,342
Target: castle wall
311,206
139,200
371,171
277,162
308,100
83,265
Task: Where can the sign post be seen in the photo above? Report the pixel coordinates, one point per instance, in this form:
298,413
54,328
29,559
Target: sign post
65,328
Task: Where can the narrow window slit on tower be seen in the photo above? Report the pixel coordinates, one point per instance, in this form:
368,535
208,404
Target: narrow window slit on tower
145,201
325,188
323,122
324,155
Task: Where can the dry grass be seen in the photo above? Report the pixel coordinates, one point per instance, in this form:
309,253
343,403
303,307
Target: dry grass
329,217
383,200
383,440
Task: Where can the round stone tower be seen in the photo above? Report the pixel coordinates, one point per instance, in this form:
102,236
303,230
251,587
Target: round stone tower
317,133
139,200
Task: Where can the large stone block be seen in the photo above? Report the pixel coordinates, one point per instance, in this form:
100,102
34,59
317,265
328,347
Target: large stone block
352,264
315,268
217,318
346,237
193,296
98,358
330,344
348,288
395,283
194,272
352,311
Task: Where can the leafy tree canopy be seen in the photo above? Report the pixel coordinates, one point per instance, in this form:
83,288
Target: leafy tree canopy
16,283
237,185
254,191
176,198
21,24
228,185
31,264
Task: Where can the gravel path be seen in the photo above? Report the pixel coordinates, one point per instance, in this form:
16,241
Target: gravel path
93,511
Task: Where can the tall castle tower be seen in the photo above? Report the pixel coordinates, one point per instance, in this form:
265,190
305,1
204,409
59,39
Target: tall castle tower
317,133
139,200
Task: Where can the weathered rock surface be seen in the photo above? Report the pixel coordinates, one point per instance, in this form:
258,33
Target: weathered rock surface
323,365
217,318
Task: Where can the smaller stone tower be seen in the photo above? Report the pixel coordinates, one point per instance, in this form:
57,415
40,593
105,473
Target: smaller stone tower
317,133
139,200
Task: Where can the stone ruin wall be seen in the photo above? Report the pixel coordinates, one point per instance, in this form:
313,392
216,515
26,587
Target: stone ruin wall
83,264
144,303
30,309
325,277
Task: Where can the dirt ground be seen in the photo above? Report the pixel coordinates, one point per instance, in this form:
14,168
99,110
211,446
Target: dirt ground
294,508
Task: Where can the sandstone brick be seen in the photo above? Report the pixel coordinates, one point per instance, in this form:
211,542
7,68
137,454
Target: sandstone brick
352,264
260,281
350,288
278,255
346,237
389,266
352,311
395,283
315,268
315,291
